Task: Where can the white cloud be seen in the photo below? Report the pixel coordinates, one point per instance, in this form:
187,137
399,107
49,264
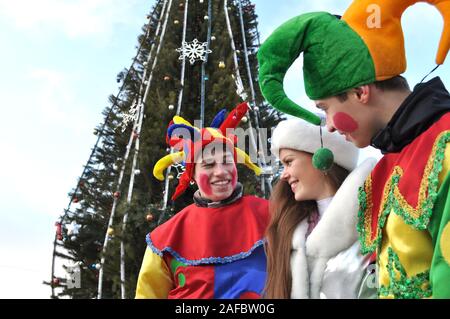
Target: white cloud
49,143
52,94
76,18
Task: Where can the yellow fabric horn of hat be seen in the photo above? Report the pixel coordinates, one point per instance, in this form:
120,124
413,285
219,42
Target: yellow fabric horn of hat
378,22
179,120
165,162
242,156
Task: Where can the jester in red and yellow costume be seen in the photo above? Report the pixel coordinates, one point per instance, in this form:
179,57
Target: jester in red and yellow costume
404,212
210,249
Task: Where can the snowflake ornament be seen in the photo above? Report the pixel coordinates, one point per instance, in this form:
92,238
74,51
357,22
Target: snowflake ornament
179,168
194,51
72,228
130,116
240,88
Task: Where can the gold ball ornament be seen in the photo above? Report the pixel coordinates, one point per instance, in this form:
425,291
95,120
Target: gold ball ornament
222,65
110,231
149,217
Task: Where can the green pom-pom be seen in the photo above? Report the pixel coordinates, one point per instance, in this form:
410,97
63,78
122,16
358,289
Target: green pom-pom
323,159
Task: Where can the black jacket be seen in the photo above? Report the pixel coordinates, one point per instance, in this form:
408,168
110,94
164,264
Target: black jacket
423,107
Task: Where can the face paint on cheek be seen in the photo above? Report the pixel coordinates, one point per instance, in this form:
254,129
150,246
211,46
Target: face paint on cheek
204,185
344,122
234,178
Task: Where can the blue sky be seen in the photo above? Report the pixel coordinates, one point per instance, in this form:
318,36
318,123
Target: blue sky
59,60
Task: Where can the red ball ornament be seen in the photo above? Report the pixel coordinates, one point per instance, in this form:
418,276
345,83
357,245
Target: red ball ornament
58,230
116,194
55,281
75,200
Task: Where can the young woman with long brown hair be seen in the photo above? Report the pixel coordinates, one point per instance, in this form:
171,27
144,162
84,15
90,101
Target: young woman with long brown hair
312,249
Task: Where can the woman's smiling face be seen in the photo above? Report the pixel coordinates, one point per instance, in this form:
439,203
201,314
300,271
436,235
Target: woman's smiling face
306,182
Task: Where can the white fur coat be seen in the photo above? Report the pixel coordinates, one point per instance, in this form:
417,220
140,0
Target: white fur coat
335,235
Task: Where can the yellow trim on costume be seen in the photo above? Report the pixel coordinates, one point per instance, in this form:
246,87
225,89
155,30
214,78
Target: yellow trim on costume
414,212
368,212
155,280
165,162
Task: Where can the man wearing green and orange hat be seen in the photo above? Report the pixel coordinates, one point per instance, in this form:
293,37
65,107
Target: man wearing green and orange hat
352,70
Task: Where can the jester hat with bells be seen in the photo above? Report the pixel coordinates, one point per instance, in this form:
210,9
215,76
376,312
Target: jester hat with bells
340,54
189,140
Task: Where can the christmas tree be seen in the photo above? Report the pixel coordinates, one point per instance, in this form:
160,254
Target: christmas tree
194,58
